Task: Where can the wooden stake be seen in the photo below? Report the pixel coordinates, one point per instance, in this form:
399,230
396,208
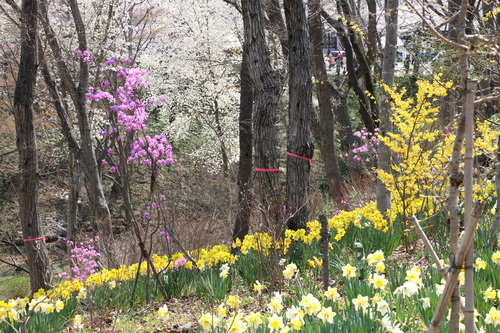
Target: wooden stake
325,238
455,269
468,181
434,256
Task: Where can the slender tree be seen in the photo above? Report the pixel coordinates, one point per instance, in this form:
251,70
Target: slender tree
38,260
385,125
323,124
77,88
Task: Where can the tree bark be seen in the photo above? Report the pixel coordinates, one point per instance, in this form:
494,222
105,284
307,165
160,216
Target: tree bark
38,260
352,44
276,24
323,128
299,112
90,168
455,163
354,52
385,123
372,35
496,219
265,113
242,223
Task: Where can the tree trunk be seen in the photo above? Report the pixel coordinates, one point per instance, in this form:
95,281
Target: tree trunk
242,223
73,148
352,43
265,113
456,179
87,154
354,51
38,260
496,219
323,128
74,194
454,165
372,36
90,166
299,111
385,124
277,25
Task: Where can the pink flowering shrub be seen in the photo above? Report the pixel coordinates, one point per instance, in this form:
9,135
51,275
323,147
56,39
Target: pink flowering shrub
84,260
130,115
364,151
152,150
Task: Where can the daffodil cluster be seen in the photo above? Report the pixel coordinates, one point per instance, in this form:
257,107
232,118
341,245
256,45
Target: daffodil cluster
279,318
15,310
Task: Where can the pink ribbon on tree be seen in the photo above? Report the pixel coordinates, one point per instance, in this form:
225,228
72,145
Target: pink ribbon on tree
32,239
304,158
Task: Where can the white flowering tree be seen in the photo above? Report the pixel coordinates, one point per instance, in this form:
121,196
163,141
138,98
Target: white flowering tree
196,69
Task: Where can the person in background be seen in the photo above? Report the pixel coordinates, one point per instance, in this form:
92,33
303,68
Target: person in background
338,62
341,58
407,63
330,61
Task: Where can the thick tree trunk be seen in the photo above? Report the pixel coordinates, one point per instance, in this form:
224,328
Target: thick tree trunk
299,111
323,128
242,223
38,260
385,124
265,114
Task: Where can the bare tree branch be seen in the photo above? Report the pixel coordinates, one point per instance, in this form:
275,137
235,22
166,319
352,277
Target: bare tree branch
14,265
235,4
487,99
435,31
7,14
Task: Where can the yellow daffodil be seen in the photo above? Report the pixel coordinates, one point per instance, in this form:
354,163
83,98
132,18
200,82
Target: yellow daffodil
479,264
326,315
496,257
233,301
163,312
254,320
332,294
379,281
310,304
490,293
349,271
360,302
208,321
493,317
258,287
275,322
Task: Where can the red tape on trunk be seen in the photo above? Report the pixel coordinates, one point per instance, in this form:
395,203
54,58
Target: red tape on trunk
304,158
32,239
